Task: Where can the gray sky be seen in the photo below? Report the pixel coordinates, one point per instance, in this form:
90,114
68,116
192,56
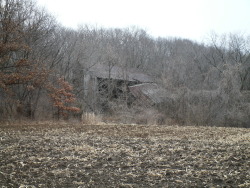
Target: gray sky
192,19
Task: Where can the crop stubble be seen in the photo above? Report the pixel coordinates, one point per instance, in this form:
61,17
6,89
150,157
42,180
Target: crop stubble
75,155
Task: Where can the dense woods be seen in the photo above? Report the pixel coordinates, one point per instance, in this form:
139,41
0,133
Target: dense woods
42,66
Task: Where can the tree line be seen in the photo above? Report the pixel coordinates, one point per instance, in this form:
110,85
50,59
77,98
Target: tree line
42,66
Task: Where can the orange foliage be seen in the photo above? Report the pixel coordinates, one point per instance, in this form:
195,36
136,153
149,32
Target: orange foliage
61,97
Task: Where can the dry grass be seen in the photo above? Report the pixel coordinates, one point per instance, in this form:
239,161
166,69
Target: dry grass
74,155
91,119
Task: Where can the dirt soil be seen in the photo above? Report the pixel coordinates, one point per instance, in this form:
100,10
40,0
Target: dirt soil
75,155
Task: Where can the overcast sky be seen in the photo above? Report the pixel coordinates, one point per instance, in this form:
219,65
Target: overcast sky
192,19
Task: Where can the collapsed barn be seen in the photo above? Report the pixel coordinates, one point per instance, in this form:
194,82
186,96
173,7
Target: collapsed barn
104,84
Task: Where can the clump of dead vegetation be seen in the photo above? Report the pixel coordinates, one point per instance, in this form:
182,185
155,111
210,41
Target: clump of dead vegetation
77,155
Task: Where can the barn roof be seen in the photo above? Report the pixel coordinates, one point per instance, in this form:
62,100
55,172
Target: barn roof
118,73
148,91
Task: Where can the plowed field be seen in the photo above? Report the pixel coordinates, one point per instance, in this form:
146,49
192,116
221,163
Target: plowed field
75,155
